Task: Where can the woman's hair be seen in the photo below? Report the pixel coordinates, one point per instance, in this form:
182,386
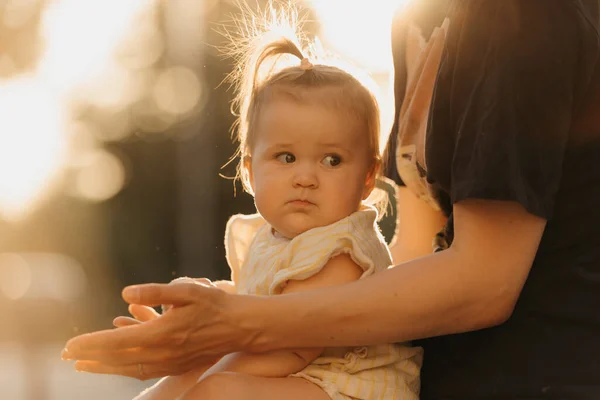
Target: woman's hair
274,63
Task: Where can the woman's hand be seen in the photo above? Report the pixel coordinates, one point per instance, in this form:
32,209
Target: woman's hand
140,314
203,324
144,313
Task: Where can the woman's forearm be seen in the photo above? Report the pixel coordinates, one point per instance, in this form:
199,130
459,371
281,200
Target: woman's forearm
472,285
422,298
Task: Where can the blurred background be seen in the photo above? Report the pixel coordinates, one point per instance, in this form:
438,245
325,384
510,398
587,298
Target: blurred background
114,128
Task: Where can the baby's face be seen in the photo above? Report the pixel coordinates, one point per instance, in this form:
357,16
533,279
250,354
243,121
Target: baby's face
310,166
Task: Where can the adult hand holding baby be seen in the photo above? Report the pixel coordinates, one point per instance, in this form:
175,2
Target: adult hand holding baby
196,330
142,313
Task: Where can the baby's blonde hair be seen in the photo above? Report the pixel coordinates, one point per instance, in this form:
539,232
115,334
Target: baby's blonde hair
264,71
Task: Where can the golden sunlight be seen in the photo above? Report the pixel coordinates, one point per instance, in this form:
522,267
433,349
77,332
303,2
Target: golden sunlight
92,52
360,31
82,37
32,144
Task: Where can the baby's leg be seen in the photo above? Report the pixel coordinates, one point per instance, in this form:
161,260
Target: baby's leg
171,387
231,385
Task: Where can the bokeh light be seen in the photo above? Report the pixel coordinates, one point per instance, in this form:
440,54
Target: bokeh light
82,38
150,118
15,276
101,175
32,144
177,90
94,54
55,276
143,46
41,276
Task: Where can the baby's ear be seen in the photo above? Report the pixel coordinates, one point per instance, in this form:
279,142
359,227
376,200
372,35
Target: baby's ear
247,176
371,179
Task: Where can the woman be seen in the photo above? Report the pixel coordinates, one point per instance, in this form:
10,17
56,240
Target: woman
496,127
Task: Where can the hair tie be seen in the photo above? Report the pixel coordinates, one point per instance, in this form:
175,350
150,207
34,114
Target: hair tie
305,64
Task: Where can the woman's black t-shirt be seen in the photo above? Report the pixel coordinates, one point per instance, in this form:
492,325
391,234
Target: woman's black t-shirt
515,115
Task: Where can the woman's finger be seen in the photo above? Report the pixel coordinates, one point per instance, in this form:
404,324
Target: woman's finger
148,370
121,321
173,340
140,314
155,294
136,356
143,313
152,333
137,371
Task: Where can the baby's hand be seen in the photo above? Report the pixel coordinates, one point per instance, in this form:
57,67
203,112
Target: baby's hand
144,313
140,314
186,279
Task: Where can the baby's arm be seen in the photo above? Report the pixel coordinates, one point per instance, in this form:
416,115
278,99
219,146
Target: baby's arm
226,286
338,270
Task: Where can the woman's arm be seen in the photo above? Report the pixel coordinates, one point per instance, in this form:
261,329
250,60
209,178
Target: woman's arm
280,363
472,285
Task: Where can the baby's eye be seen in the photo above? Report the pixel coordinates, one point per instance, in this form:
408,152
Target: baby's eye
332,160
286,158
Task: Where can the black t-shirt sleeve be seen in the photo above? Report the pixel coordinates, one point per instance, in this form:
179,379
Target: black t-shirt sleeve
503,102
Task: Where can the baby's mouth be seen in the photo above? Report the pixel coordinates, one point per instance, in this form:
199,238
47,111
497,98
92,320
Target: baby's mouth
301,203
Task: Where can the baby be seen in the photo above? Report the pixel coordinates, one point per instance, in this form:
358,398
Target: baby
309,154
